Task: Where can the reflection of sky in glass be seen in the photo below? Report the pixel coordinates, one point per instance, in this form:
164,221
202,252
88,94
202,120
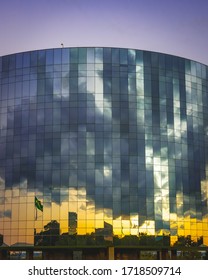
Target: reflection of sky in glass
113,135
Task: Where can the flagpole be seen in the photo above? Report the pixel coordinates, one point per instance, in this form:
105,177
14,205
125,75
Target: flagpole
36,214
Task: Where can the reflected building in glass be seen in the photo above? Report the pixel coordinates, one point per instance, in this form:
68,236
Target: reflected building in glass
112,142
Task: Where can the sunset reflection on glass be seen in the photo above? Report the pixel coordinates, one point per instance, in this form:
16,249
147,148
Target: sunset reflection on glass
112,143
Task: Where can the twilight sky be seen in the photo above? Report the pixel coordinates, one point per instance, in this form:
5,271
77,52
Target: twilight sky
178,27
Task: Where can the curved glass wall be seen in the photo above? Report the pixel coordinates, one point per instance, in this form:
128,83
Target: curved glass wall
103,146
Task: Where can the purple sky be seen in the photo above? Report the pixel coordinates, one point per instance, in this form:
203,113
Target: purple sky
178,27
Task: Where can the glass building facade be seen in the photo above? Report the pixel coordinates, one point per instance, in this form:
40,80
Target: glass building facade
112,142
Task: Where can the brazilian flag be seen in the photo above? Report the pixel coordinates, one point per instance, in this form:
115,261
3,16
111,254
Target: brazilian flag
38,204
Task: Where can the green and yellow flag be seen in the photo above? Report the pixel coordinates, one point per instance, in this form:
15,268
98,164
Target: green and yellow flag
38,204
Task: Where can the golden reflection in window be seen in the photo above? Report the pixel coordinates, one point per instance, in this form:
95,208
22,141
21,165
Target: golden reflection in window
20,219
